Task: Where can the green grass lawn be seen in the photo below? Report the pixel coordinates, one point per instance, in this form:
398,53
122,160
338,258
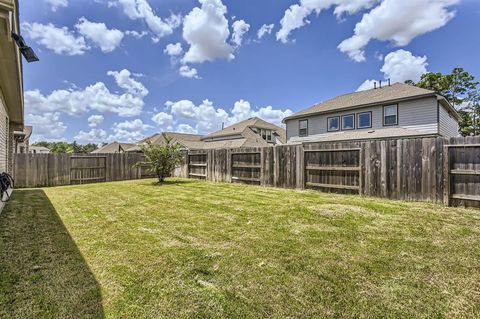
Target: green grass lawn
204,250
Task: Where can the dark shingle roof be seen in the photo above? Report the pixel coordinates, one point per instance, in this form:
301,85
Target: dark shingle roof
397,91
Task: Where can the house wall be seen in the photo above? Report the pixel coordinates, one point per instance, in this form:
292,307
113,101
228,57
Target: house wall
4,136
420,114
448,125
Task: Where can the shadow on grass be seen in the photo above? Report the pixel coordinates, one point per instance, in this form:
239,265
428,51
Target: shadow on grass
42,272
173,181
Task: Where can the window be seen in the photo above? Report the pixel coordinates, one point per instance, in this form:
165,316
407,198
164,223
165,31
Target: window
269,135
364,120
348,122
333,123
390,115
303,128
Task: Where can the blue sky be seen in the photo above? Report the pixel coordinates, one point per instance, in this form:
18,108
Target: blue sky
100,81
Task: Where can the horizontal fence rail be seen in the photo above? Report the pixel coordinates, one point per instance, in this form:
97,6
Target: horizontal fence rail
435,170
45,170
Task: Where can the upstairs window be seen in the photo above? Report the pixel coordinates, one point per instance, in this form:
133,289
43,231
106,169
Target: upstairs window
333,124
348,122
390,115
269,135
303,128
364,120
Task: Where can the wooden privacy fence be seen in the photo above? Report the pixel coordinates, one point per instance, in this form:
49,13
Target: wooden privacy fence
430,169
436,170
43,170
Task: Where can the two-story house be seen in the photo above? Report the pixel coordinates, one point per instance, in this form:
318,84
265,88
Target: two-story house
393,111
252,132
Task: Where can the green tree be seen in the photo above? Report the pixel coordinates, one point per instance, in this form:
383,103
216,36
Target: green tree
64,147
161,159
461,90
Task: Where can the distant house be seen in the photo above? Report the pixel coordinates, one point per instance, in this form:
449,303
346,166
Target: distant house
186,141
396,111
22,139
38,150
253,132
113,148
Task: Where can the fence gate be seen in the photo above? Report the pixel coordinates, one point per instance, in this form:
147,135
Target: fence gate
333,170
197,165
247,167
88,169
462,175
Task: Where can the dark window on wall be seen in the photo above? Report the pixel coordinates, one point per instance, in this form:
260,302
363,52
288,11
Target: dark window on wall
333,124
364,120
303,128
348,122
390,115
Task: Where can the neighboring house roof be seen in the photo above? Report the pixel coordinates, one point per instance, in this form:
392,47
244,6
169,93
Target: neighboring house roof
240,127
238,135
114,147
188,141
390,93
384,133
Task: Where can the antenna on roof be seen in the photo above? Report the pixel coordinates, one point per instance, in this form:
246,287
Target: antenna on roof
389,82
374,84
223,125
380,83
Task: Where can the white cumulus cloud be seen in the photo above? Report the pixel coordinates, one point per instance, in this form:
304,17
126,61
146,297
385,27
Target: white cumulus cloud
296,16
163,120
136,34
240,28
206,31
186,128
397,21
55,4
264,30
95,120
95,135
106,39
47,126
128,131
206,118
173,49
399,66
58,39
188,72
95,97
141,10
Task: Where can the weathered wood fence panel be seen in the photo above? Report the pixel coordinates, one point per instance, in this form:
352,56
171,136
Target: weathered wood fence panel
197,165
45,170
406,169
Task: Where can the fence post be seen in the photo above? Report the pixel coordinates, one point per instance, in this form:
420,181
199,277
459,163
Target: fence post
446,175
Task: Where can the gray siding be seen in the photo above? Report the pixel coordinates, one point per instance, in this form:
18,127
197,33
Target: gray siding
448,125
421,113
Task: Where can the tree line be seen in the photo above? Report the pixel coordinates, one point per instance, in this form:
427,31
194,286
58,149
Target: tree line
460,88
69,148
